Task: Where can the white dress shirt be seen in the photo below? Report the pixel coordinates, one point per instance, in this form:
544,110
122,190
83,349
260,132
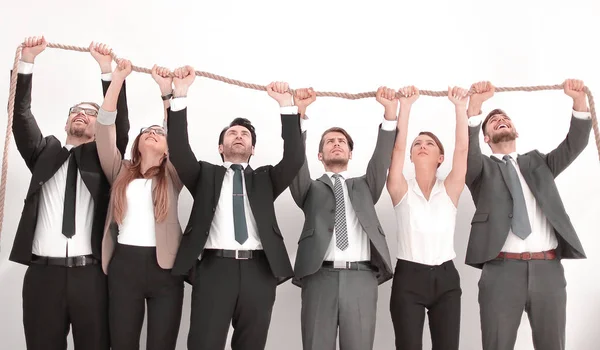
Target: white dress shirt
48,239
425,228
358,248
222,231
138,226
542,237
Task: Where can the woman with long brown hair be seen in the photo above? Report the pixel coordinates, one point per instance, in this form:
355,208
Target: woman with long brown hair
142,232
425,276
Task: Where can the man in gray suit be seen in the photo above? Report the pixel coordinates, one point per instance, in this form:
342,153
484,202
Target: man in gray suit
520,230
342,252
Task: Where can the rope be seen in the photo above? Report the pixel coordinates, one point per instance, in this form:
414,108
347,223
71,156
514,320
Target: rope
344,95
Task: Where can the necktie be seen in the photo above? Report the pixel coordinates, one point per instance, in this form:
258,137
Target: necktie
68,223
239,215
341,229
520,219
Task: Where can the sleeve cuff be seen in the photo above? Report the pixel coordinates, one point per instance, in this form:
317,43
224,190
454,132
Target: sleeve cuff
106,76
178,104
105,117
582,115
289,110
475,121
304,124
389,125
25,67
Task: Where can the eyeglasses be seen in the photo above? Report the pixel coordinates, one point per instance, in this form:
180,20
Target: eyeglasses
87,111
155,129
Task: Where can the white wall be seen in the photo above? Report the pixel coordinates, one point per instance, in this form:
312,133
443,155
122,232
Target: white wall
333,46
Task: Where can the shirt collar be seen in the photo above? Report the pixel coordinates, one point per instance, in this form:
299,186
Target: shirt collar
228,165
343,174
513,155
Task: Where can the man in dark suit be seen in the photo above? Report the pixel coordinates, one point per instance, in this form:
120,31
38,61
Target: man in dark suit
520,230
232,238
60,232
342,252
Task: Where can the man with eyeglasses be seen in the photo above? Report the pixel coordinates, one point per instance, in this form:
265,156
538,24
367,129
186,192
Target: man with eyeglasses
60,232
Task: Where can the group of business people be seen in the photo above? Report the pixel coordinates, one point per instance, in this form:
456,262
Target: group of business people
101,237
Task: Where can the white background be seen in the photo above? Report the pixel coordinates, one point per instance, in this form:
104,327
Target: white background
333,46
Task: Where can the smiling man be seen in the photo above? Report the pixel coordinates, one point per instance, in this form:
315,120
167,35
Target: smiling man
520,230
60,232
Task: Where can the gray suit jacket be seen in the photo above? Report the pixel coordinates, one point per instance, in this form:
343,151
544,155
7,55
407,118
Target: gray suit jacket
487,181
317,200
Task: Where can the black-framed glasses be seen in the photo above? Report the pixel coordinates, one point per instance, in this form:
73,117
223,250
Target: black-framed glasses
87,111
158,130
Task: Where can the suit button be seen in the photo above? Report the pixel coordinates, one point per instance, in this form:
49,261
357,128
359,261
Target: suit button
41,183
510,215
330,229
214,209
207,233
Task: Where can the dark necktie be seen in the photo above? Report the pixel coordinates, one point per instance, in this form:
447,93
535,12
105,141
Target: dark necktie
520,219
68,223
341,228
239,215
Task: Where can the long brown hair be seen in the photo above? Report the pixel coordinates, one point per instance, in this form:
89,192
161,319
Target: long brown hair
133,171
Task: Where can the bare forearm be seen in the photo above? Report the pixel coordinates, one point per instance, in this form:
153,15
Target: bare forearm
462,128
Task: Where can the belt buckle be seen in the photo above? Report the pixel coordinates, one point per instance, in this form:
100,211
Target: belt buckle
69,261
340,264
83,261
237,256
526,256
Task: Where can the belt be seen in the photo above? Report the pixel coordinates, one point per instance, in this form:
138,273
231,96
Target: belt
349,265
71,261
235,254
547,255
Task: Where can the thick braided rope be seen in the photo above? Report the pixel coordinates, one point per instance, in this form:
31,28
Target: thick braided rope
344,95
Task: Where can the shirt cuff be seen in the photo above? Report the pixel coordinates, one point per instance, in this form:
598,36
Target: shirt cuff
178,104
304,123
289,110
582,115
475,121
25,68
105,117
389,125
106,76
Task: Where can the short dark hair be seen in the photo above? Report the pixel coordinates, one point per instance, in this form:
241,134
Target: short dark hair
341,131
241,122
487,118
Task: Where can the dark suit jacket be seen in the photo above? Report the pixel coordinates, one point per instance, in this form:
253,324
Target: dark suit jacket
40,154
317,200
263,186
486,179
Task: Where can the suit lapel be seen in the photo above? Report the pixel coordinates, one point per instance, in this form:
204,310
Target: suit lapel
219,176
248,179
524,162
326,180
350,186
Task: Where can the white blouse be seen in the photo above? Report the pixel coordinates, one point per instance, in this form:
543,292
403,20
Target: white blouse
138,226
426,227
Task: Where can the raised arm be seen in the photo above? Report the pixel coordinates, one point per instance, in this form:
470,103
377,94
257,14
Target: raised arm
27,134
455,181
162,76
106,135
180,152
396,182
301,184
579,131
103,54
482,91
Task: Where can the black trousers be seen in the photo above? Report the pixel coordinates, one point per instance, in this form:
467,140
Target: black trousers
417,287
134,280
226,290
56,298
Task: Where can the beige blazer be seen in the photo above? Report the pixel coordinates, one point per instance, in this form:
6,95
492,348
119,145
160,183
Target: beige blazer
168,232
